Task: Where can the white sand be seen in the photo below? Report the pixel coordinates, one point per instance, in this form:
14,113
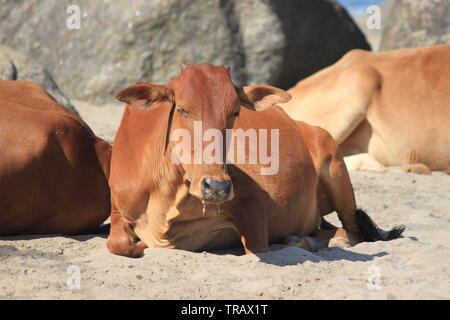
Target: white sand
414,267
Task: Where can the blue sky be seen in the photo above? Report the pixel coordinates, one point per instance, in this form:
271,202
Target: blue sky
358,7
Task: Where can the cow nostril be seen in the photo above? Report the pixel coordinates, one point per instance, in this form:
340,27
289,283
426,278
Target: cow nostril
215,187
205,185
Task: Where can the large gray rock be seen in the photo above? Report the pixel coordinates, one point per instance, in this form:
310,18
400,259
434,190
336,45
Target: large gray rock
121,42
318,33
16,66
417,23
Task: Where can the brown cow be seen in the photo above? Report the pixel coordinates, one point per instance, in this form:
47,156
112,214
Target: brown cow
53,169
386,110
159,203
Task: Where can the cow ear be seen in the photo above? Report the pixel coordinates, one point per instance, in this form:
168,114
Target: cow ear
261,97
145,93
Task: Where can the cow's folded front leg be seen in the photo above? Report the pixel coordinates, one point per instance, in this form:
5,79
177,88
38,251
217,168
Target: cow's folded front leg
251,221
322,238
122,240
418,168
363,162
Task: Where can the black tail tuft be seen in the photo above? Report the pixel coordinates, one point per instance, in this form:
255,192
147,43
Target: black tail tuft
370,231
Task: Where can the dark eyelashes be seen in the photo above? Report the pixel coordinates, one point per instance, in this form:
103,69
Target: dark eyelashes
182,111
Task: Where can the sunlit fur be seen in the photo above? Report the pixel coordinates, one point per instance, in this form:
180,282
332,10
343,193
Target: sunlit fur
387,110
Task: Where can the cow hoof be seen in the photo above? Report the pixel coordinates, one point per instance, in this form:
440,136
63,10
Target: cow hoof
124,248
418,168
339,242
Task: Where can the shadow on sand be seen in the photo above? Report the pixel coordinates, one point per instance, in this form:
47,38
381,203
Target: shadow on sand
101,232
294,255
277,256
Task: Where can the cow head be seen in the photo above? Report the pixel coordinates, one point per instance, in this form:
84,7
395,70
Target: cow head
204,94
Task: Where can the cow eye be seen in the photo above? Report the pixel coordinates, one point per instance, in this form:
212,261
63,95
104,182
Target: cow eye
236,114
182,111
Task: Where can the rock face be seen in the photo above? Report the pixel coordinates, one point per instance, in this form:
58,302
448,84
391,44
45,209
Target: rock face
318,33
122,42
16,66
375,35
417,23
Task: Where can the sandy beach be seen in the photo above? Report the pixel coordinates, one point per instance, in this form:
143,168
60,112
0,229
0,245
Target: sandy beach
416,266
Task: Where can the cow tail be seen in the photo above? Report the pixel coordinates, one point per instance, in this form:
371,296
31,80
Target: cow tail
370,231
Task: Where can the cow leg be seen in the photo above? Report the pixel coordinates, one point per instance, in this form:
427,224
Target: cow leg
363,162
339,237
324,238
122,240
336,181
357,225
418,168
251,222
313,242
334,191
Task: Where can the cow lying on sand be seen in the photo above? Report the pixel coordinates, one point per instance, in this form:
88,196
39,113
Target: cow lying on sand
159,203
383,109
53,169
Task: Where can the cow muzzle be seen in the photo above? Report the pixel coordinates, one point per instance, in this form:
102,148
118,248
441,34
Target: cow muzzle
216,191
